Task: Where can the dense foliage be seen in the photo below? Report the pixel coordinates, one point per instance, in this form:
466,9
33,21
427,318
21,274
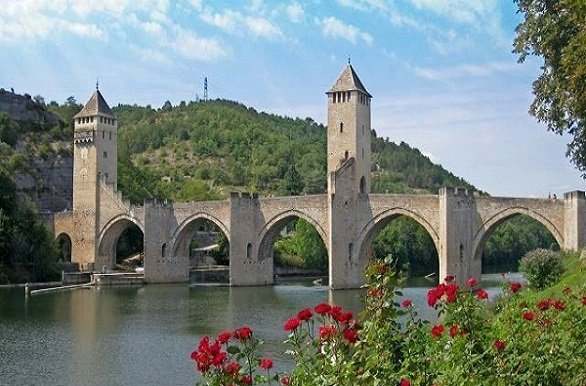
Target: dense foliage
221,146
555,30
27,249
541,267
512,341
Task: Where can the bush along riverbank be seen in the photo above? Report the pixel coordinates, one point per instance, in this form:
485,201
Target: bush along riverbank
524,337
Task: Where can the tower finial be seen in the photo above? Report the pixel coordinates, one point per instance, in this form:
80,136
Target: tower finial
97,84
349,60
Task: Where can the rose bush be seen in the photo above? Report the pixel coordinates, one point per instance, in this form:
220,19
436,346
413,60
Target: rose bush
473,342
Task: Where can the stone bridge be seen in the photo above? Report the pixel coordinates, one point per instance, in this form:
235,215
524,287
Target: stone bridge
458,222
347,218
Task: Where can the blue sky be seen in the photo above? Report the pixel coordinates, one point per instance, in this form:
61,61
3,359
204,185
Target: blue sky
442,73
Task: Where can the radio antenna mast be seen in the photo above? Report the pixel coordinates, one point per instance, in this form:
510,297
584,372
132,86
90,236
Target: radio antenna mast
205,88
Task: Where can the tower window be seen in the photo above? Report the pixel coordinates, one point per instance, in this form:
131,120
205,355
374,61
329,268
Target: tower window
101,119
343,97
164,250
110,135
341,127
362,129
345,155
92,119
248,250
362,184
362,152
105,154
103,134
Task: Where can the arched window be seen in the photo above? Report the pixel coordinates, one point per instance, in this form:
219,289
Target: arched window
362,184
345,155
362,152
164,250
248,250
350,251
341,127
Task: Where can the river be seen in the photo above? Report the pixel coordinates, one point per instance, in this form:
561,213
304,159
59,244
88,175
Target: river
144,335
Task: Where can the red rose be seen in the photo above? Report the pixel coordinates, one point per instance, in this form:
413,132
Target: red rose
351,335
405,382
584,300
224,337
284,380
194,355
433,296
334,311
528,315
515,287
322,308
326,331
266,363
436,331
449,279
544,304
451,292
247,379
559,305
471,282
481,294
292,324
232,368
454,330
344,317
243,333
499,344
304,314
406,303
219,358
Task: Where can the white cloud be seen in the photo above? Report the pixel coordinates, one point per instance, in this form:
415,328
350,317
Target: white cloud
231,21
195,47
465,71
295,12
335,28
262,27
364,5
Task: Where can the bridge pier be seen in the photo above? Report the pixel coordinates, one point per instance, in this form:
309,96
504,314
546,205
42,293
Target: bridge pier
457,209
161,265
574,220
247,266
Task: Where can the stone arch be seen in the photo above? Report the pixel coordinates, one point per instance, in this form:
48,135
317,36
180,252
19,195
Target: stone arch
378,222
488,226
64,244
109,235
185,229
269,232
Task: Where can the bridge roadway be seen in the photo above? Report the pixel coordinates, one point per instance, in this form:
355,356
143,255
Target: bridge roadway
458,222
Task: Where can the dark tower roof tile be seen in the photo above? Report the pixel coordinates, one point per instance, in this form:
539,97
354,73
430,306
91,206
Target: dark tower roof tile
348,81
96,105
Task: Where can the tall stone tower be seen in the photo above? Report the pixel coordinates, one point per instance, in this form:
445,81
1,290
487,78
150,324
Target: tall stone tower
95,155
348,176
349,128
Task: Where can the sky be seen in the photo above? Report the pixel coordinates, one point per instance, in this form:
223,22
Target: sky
442,72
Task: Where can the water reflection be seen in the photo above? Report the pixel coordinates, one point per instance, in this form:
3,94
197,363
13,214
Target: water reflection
144,335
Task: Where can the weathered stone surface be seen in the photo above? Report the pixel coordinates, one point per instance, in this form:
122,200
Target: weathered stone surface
23,108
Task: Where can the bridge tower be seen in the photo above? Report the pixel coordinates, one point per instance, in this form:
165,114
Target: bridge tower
95,157
349,128
349,162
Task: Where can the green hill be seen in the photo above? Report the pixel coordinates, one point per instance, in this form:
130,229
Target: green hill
204,150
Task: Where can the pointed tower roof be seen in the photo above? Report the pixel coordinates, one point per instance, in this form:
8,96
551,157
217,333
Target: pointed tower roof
348,81
96,105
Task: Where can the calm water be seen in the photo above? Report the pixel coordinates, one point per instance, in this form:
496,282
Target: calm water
144,335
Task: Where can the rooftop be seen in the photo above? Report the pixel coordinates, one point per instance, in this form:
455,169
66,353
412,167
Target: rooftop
349,81
96,105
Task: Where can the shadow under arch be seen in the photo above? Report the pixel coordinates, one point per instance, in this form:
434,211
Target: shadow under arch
64,245
184,232
112,231
488,227
377,223
270,231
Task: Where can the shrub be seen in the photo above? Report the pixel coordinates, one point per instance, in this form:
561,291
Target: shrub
471,343
541,267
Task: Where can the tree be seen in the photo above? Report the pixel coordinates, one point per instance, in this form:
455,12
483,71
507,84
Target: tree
556,31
